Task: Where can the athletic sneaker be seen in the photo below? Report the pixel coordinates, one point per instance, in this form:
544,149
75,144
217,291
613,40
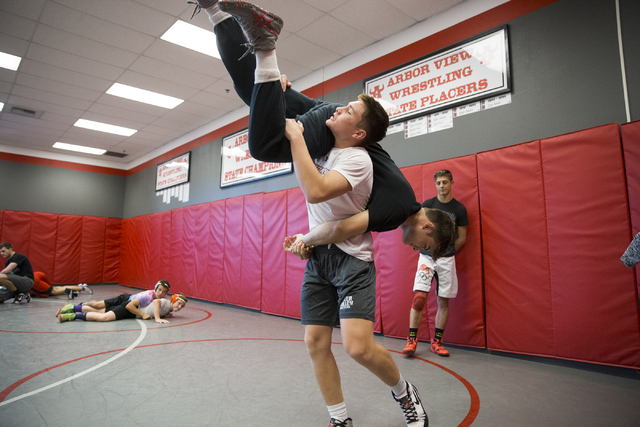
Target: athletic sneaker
86,288
66,317
68,308
412,409
345,423
261,26
412,343
70,294
437,348
20,297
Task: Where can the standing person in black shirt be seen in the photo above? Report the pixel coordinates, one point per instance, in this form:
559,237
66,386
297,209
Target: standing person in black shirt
17,276
443,268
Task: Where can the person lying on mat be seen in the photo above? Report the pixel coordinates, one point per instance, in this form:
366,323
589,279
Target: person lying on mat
119,308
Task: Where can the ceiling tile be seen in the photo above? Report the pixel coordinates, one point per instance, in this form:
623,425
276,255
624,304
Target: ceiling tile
127,13
84,25
47,85
302,52
172,73
187,58
50,97
16,26
335,36
29,9
80,46
72,62
387,21
62,75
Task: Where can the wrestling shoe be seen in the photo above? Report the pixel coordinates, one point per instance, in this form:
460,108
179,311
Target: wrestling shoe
201,4
261,26
412,409
67,317
345,423
86,288
20,297
437,348
70,294
68,308
412,343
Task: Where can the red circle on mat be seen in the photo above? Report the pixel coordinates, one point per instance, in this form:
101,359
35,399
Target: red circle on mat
98,332
474,408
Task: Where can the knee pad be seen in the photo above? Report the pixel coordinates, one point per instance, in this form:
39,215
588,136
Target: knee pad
419,300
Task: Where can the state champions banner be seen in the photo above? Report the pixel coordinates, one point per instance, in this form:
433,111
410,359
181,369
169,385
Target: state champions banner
471,70
239,167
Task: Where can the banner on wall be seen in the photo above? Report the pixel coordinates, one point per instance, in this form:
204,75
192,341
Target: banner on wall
473,69
173,172
239,167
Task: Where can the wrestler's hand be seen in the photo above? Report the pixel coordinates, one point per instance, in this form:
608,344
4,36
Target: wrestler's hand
284,81
293,130
146,317
301,250
289,241
162,321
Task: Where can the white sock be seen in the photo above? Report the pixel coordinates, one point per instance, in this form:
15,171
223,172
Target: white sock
267,66
338,412
216,16
400,389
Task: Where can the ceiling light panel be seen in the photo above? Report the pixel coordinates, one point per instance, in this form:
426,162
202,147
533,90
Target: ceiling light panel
103,127
145,96
192,37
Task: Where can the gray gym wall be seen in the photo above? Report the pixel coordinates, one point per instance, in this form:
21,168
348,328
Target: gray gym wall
35,188
565,74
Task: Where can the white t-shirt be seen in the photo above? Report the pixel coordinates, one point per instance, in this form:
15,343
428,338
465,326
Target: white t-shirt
165,308
355,165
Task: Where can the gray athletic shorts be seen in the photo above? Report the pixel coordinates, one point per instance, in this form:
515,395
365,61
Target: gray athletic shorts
22,283
337,286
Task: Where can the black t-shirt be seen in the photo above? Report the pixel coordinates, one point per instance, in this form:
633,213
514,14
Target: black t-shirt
458,214
392,199
23,267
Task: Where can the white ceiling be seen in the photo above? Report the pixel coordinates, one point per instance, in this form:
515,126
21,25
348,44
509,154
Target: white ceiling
74,50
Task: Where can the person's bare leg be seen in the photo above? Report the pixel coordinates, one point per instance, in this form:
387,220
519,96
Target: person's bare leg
357,338
318,341
109,316
95,304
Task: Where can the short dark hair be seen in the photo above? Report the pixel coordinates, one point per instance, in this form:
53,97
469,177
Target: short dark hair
6,245
443,172
444,232
162,283
375,120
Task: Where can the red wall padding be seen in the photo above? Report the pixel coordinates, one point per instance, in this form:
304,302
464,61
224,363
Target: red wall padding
251,275
112,247
515,248
233,224
274,260
44,232
92,249
588,230
631,145
212,290
554,216
69,249
297,222
17,230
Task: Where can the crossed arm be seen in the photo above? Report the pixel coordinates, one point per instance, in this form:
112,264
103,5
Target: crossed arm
329,232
